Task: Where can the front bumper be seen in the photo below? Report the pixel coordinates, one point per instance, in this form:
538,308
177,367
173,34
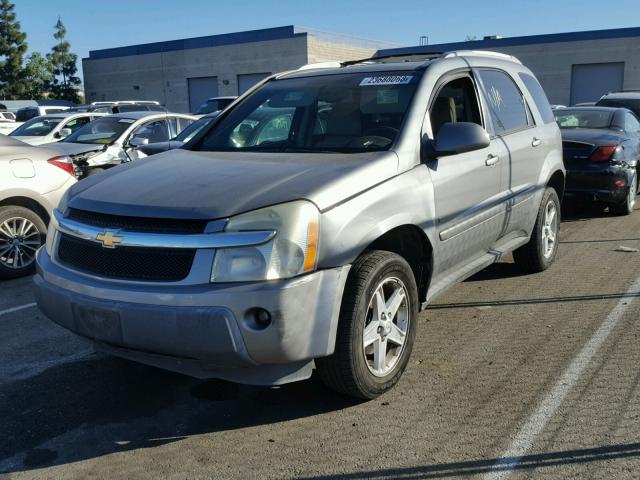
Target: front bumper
598,183
200,330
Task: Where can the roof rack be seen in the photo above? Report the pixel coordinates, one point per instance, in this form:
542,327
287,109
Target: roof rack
481,53
626,90
404,57
314,66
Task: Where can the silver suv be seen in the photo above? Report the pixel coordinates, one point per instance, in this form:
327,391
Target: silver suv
312,221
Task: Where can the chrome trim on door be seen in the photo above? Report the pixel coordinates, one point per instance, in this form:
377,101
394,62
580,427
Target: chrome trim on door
161,240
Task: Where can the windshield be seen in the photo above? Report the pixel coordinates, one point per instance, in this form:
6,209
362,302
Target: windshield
192,129
103,131
351,113
36,127
632,104
567,118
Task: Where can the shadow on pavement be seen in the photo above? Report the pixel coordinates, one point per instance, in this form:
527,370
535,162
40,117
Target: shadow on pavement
103,405
475,467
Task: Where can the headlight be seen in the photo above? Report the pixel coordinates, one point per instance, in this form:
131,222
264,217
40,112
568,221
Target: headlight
293,251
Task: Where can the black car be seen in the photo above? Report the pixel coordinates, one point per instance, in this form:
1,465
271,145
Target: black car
601,149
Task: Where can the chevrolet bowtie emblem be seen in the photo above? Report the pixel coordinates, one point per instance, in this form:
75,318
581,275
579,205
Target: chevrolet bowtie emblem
109,239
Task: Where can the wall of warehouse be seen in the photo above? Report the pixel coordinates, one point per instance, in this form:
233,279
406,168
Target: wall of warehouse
552,63
164,76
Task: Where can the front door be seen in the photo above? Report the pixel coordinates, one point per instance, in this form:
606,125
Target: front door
467,186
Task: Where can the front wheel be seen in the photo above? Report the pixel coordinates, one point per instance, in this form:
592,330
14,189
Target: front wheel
541,251
22,232
376,328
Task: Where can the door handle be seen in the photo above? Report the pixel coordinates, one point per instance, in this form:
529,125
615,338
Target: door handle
491,160
535,142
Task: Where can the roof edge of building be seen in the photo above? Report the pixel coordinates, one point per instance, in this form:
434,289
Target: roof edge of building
517,41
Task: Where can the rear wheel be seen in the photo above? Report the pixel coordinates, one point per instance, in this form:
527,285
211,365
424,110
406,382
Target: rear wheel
626,207
540,252
22,232
376,329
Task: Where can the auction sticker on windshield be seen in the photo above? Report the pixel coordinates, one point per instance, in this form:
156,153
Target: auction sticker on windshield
386,80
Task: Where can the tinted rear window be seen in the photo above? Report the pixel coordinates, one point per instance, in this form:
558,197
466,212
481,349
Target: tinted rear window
632,104
539,97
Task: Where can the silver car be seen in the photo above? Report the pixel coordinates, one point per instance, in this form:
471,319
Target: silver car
32,181
113,139
312,221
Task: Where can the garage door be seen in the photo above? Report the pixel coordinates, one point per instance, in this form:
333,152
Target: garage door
200,89
246,81
592,80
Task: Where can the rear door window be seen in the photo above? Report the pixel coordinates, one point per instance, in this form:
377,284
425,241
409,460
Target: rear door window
631,124
539,97
507,106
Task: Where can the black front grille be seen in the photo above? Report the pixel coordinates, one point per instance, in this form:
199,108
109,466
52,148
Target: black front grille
130,263
137,224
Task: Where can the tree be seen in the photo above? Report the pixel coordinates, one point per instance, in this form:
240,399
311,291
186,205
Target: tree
38,74
13,46
65,83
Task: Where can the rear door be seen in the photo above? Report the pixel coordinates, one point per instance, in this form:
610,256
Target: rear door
469,212
513,125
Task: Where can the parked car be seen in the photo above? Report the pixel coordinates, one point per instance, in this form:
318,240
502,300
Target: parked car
8,116
120,107
316,234
625,99
112,139
7,126
52,127
179,140
214,105
27,113
32,181
601,148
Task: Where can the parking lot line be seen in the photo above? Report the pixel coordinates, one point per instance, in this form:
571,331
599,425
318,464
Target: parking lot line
547,408
17,309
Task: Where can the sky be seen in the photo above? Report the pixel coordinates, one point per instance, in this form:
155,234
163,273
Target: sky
97,24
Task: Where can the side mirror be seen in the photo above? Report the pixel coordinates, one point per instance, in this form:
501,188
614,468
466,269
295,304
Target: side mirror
64,133
138,141
461,137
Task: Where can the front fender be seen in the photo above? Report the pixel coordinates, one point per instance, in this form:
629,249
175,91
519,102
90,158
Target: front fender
349,228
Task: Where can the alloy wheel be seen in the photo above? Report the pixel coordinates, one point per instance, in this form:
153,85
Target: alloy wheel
386,326
19,241
549,229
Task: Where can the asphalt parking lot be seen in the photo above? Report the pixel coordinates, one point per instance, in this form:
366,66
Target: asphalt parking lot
512,375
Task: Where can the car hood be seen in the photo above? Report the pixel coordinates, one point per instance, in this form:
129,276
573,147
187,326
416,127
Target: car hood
31,140
68,148
595,136
210,185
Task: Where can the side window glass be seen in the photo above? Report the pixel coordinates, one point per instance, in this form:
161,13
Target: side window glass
275,130
155,131
507,107
456,102
76,123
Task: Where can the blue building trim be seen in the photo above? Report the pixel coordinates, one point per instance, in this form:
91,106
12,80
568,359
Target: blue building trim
516,41
277,33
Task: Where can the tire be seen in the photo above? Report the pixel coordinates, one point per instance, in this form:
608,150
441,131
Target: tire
626,207
352,368
538,255
12,219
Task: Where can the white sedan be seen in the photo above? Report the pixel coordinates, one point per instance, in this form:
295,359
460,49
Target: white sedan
32,181
52,127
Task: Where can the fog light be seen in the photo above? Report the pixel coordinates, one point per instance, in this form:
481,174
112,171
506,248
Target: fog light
619,183
258,318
